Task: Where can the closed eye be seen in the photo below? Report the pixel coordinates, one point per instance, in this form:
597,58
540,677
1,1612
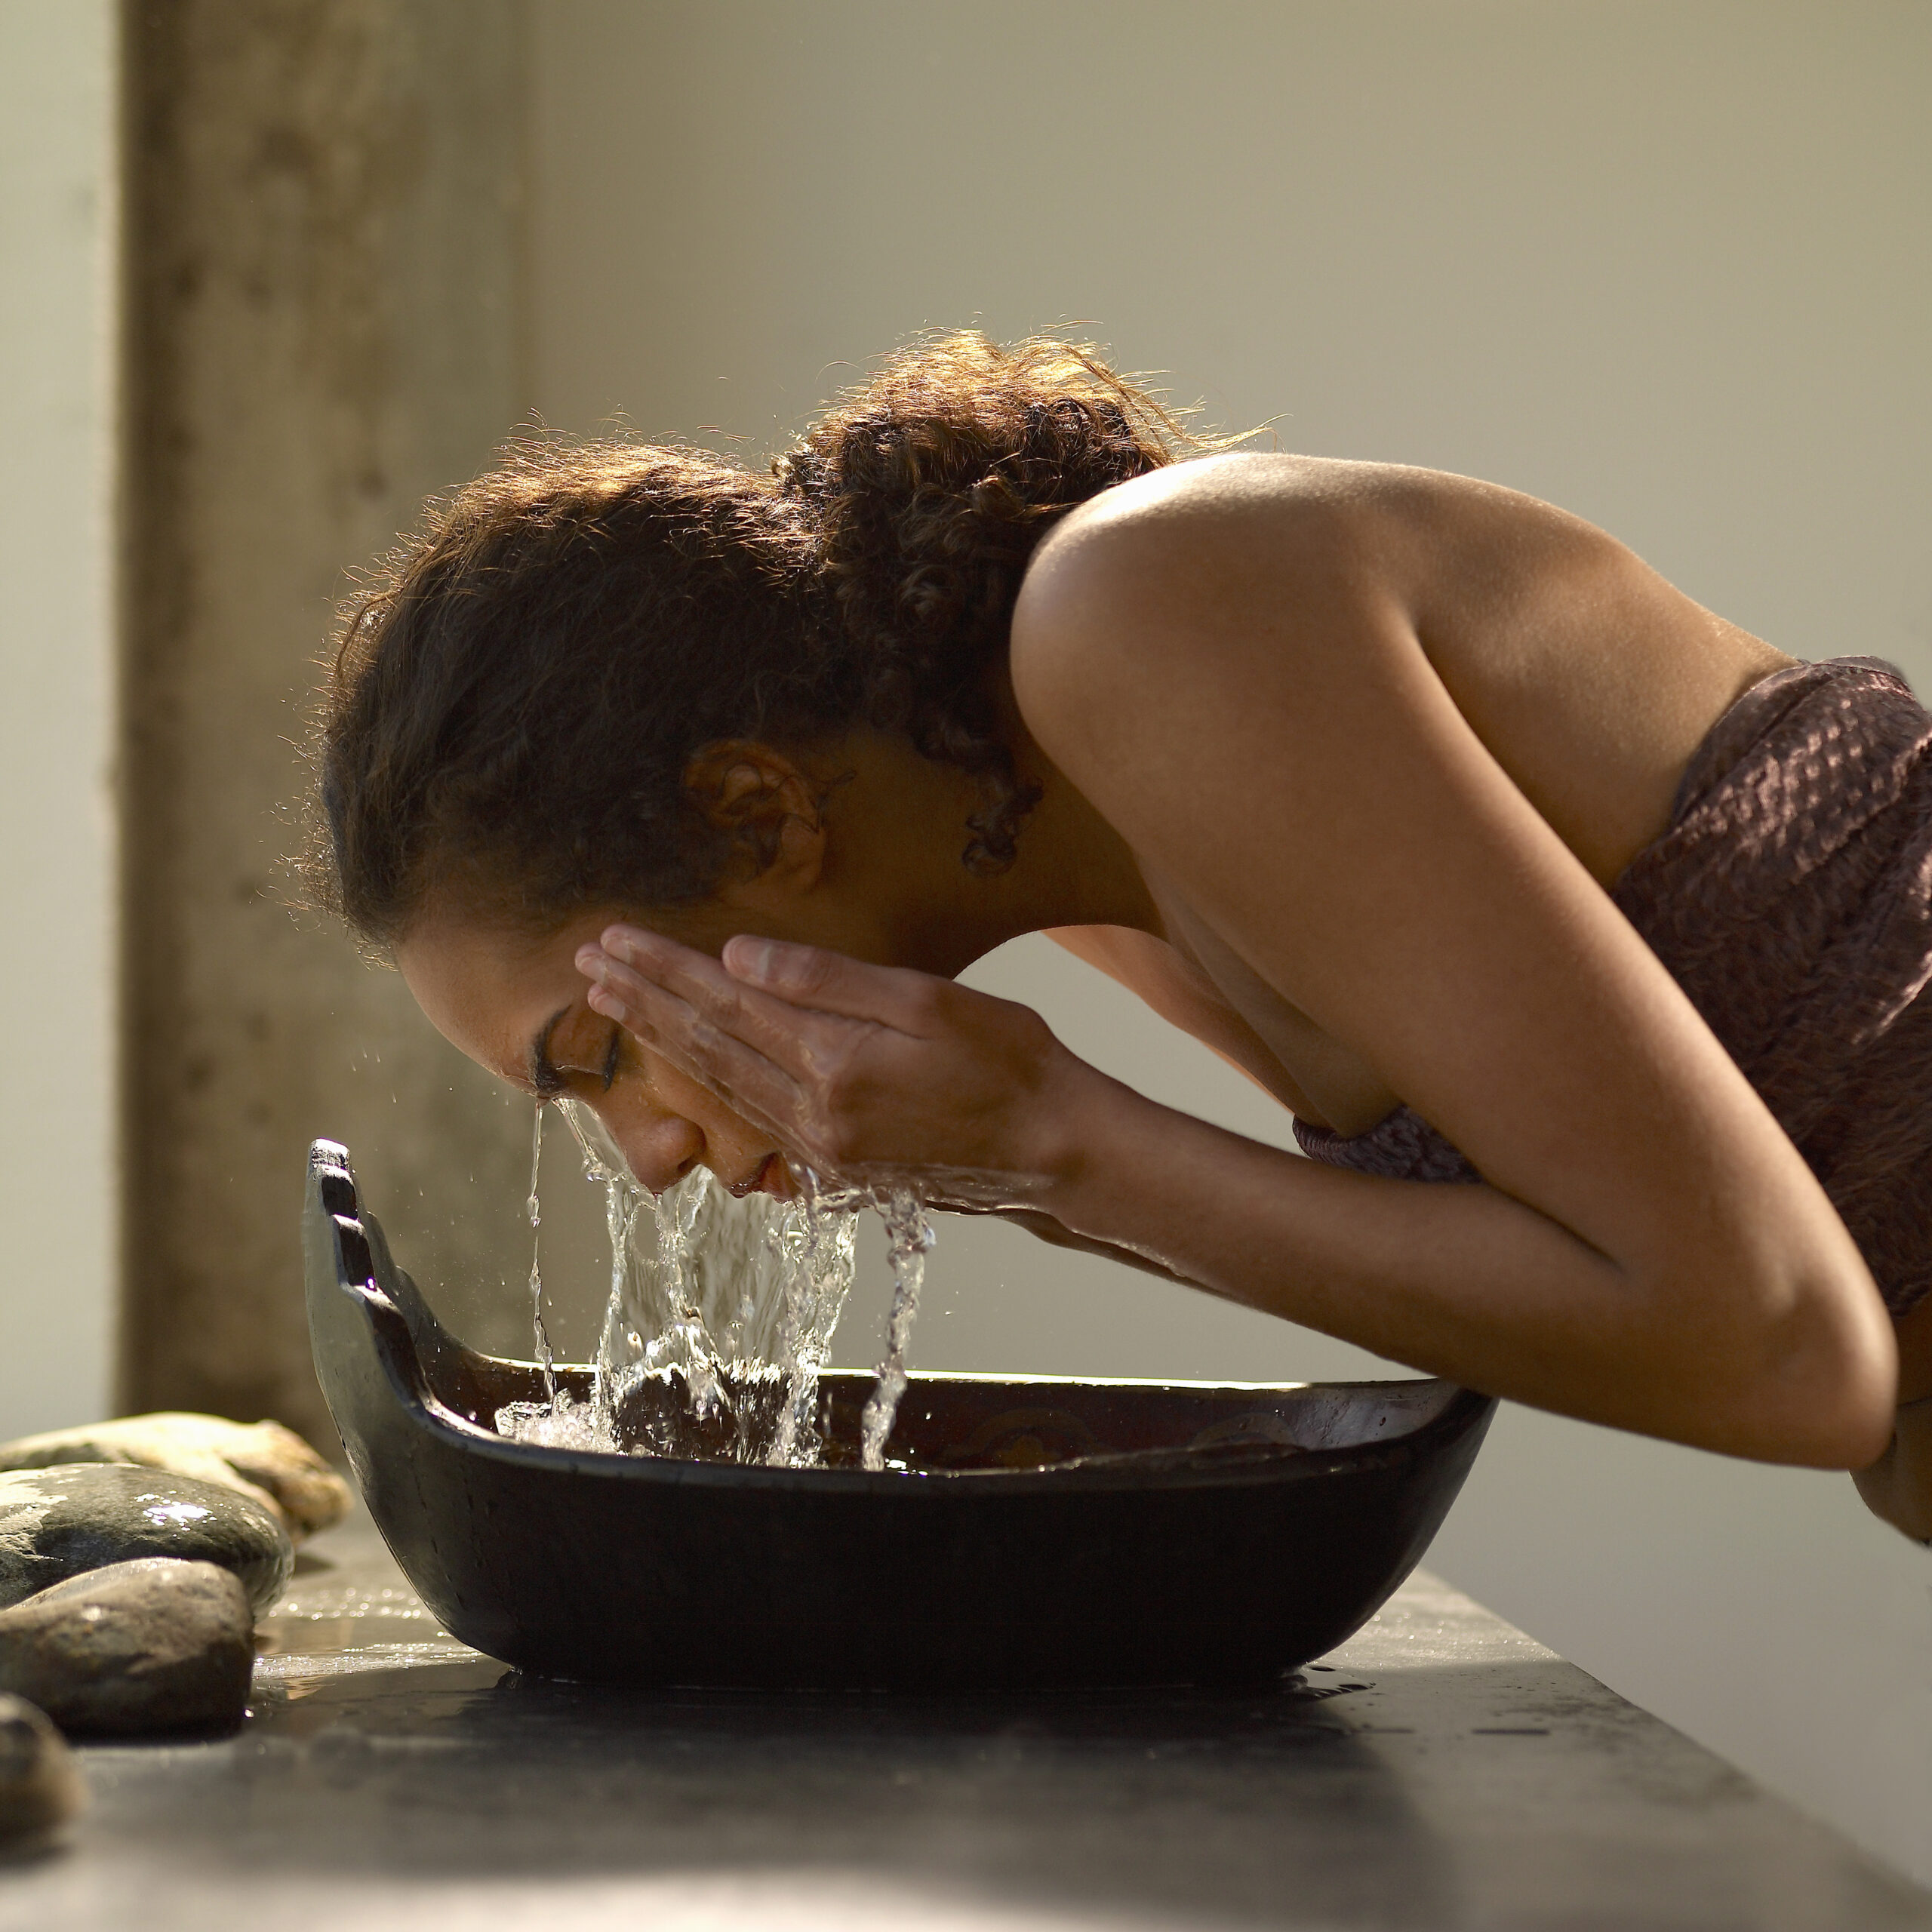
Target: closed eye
546,1081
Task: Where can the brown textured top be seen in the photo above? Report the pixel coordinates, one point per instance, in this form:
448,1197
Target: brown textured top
1792,899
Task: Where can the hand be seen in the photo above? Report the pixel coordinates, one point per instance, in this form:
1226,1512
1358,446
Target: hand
869,1073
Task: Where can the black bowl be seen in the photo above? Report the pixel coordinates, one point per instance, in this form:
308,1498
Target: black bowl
1167,1534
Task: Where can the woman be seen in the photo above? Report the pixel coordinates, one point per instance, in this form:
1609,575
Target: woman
1433,809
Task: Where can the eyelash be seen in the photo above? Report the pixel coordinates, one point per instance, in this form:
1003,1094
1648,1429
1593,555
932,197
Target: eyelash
558,1084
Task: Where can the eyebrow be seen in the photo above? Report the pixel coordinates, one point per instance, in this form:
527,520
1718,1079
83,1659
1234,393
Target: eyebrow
545,1081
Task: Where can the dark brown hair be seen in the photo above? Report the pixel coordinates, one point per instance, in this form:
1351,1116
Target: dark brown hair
515,702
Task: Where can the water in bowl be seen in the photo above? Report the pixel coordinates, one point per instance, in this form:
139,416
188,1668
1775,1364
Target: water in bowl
720,1316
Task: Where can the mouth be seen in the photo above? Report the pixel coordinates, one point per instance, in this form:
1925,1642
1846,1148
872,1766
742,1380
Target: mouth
755,1182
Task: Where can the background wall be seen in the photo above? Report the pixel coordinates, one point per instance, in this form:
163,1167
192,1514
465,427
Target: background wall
1663,263
59,1198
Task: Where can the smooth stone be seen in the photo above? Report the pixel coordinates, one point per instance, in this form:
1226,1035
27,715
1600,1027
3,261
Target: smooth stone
155,1645
40,1783
264,1461
55,1523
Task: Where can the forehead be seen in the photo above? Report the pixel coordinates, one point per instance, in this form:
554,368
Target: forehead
491,992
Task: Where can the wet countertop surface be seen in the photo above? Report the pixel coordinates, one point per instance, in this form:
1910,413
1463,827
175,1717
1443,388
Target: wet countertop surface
1440,1771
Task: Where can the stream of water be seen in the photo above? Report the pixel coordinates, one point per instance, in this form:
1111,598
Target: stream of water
546,1360
720,1316
910,1236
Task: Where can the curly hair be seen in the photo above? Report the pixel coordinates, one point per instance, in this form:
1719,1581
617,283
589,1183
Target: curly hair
514,703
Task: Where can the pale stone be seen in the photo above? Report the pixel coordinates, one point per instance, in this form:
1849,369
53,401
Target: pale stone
155,1644
40,1784
262,1460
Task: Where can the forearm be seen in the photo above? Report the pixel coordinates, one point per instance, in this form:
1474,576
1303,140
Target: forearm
1057,1234
1716,1300
1462,1282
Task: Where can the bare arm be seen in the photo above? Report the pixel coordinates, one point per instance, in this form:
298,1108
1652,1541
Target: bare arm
875,1072
1898,1486
1243,690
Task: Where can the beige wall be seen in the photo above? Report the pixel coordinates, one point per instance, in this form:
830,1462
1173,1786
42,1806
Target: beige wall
1664,264
58,1196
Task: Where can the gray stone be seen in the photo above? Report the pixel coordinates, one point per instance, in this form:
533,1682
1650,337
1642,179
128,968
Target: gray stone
269,1464
40,1785
55,1523
155,1645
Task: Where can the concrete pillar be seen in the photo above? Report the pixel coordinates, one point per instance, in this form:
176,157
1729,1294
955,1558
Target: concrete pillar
58,312
322,211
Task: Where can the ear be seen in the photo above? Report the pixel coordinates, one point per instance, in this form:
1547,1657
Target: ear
767,804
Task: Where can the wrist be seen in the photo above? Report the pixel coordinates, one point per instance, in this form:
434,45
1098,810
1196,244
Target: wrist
1084,1112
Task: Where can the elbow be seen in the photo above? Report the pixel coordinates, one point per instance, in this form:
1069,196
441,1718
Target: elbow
1825,1387
1855,1432
1792,1359
1897,1487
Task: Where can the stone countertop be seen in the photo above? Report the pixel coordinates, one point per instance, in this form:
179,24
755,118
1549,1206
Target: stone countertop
1440,1771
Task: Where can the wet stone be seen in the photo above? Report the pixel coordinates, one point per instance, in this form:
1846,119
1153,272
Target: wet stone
40,1784
56,1523
269,1464
155,1645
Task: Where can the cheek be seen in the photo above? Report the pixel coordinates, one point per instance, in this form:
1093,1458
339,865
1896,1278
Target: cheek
664,1090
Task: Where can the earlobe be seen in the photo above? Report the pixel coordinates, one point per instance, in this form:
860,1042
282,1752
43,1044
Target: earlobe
802,847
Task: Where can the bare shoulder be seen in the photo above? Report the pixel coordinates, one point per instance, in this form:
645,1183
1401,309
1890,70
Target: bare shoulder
1300,545
1299,580
1171,522
1297,509
1274,575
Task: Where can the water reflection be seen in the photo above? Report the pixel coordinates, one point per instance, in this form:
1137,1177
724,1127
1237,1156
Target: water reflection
1256,1809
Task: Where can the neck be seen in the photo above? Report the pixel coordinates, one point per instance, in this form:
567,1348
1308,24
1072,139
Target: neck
902,826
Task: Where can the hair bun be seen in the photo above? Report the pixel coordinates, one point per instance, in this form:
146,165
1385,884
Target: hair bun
931,486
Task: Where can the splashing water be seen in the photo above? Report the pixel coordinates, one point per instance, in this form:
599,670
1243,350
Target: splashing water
720,1316
911,1236
546,1357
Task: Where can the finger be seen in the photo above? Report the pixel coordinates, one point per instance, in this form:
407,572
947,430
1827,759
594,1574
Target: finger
682,970
826,982
673,1028
761,1095
797,1038
636,959
736,1073
803,976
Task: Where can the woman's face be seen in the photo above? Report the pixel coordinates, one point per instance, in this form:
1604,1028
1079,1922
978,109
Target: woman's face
518,1007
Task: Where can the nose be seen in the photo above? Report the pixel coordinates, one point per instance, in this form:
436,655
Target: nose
661,1147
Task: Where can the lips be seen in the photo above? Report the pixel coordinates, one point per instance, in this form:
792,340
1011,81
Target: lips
753,1182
